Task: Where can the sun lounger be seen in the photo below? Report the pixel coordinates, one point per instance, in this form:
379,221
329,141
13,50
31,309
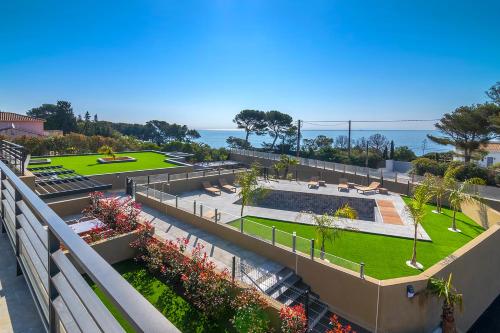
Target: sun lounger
370,188
210,215
225,186
211,189
313,183
343,186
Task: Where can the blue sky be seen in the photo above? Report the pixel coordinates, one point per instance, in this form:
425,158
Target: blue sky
200,62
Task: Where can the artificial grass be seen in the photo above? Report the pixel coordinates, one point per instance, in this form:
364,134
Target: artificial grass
165,298
87,164
384,256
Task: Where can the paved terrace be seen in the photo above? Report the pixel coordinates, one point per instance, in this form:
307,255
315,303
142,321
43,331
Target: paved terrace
17,309
390,216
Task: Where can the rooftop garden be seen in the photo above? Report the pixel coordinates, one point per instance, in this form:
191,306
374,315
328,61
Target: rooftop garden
88,164
384,256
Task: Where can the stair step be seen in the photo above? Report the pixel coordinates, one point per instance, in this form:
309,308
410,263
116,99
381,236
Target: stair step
283,286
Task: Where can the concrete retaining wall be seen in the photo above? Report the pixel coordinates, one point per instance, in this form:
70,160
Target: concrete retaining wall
183,185
70,206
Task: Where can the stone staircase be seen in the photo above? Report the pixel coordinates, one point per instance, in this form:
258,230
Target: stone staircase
288,288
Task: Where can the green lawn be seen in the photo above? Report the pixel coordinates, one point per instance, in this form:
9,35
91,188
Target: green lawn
384,257
88,165
175,308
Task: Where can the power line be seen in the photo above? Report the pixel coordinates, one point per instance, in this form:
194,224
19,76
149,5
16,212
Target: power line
370,121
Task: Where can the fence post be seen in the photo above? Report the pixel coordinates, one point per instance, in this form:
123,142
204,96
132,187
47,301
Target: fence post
381,177
274,235
2,187
17,212
241,224
408,189
201,210
312,248
216,214
294,239
187,175
194,207
53,270
362,270
176,202
396,178
306,308
233,268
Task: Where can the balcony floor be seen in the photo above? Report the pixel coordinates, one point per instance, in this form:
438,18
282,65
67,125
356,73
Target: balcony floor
17,309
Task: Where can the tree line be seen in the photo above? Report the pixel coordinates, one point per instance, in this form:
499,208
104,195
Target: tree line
60,116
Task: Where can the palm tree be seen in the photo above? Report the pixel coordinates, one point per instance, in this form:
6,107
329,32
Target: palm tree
443,289
441,185
462,193
107,151
250,190
287,161
327,230
417,211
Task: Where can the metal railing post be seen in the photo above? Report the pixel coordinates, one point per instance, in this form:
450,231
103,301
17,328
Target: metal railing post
273,235
294,241
306,308
17,211
2,187
362,270
176,202
194,207
233,268
241,224
396,177
53,246
216,214
201,210
312,248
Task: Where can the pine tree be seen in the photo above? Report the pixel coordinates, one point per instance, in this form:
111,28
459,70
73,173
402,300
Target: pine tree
391,155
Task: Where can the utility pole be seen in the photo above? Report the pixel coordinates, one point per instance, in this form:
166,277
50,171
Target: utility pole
349,140
366,158
298,137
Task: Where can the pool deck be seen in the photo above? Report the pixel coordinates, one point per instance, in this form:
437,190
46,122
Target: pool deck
390,214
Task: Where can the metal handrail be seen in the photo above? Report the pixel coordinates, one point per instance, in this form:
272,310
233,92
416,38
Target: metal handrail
141,314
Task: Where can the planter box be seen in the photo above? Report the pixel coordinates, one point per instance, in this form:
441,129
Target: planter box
114,249
120,159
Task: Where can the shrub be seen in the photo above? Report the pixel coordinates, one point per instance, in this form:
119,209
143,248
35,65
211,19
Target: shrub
424,165
250,316
403,153
293,319
337,327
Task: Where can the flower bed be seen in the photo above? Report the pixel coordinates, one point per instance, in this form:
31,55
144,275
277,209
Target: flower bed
117,216
119,159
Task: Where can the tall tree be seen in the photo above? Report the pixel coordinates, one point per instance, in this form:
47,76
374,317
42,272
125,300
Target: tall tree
252,121
277,124
466,128
494,93
391,152
58,116
378,142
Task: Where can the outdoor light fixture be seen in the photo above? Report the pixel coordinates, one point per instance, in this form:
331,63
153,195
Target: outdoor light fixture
410,291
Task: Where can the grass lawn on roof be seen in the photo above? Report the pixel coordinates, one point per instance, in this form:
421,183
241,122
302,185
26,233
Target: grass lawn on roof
384,256
88,165
165,298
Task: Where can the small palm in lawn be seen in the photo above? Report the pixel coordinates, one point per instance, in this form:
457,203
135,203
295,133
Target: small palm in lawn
107,151
462,193
250,190
327,228
416,209
444,290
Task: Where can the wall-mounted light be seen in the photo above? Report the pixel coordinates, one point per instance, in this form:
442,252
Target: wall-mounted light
410,291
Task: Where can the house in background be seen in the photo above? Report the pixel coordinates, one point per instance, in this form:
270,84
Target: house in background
492,156
493,150
13,125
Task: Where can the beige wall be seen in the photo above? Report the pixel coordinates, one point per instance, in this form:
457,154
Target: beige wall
475,270
481,213
70,206
117,180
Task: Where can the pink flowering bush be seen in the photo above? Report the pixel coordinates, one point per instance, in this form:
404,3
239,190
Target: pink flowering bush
118,216
293,319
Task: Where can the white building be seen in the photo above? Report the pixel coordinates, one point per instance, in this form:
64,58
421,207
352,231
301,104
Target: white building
492,157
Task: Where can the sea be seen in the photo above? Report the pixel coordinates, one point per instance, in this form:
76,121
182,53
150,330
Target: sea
416,140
